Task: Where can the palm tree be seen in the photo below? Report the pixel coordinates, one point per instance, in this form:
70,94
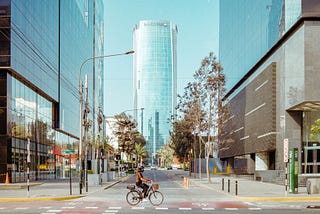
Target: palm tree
140,152
166,155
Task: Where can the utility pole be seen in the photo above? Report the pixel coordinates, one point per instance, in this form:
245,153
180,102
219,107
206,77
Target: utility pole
87,124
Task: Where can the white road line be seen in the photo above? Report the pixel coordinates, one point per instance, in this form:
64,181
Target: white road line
161,208
91,207
208,208
22,208
138,208
231,208
54,211
2,208
67,207
254,208
185,208
115,208
47,213
111,211
44,208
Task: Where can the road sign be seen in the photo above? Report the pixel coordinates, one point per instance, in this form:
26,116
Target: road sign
68,151
286,150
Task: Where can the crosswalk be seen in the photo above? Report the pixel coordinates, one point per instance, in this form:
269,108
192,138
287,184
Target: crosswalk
114,210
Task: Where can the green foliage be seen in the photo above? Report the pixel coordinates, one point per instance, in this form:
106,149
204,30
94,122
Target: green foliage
166,155
315,130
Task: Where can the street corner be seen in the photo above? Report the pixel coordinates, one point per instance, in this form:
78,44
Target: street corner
26,199
278,199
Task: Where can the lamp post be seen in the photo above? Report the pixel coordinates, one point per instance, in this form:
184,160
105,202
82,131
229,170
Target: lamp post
86,110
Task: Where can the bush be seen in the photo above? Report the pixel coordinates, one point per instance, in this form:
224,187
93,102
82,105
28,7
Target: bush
130,171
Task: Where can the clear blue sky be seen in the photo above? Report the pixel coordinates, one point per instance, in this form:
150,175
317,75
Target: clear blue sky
197,22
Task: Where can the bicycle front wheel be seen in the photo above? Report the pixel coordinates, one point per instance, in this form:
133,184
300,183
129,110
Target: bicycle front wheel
156,198
133,198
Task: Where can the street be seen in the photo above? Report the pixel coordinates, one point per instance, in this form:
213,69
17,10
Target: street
197,198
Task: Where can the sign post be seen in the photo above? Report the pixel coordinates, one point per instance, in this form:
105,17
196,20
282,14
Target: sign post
293,170
28,167
285,159
69,152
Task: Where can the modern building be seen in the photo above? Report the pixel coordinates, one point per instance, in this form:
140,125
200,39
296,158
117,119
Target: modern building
155,81
43,44
270,54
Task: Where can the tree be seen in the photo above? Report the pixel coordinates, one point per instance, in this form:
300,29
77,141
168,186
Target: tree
140,152
202,106
124,131
315,130
166,155
181,139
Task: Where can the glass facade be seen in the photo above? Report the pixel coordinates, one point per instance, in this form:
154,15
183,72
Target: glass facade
155,79
285,39
249,29
45,43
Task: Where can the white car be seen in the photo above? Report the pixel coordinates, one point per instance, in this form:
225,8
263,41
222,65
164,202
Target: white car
153,168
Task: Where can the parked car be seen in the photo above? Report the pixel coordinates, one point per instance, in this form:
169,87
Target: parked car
169,167
153,168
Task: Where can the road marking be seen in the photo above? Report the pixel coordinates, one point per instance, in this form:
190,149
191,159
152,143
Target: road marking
111,211
91,207
231,208
138,208
115,208
54,211
208,208
67,207
185,208
254,208
44,208
161,208
22,208
2,208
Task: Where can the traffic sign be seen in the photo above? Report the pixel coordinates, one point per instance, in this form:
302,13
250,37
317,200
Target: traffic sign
68,151
286,150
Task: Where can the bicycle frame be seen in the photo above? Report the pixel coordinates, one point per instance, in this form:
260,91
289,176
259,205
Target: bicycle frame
135,196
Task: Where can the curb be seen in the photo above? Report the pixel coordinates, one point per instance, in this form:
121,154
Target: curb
282,199
59,198
41,199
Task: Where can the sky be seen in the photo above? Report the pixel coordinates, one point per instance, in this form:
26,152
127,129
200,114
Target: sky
198,32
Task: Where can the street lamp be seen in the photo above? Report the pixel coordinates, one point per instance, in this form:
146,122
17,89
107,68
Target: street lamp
86,110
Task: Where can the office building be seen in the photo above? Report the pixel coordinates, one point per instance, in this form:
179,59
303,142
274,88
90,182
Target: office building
269,53
43,44
155,81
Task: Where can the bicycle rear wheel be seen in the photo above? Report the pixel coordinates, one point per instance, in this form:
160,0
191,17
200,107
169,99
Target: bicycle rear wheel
133,198
156,198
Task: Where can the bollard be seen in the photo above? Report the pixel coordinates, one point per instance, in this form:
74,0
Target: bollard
228,185
186,182
236,188
222,184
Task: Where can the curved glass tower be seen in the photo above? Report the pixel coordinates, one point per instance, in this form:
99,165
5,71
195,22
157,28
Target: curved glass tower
155,80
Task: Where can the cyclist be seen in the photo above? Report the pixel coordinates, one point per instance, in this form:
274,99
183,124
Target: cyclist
140,179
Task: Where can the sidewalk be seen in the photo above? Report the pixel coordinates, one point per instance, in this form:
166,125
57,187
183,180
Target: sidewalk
250,190
48,190
247,190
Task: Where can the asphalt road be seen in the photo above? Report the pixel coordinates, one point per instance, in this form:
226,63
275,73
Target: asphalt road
196,198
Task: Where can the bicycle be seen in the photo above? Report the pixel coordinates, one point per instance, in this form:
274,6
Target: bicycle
135,196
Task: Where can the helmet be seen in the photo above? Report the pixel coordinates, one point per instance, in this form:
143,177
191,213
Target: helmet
140,168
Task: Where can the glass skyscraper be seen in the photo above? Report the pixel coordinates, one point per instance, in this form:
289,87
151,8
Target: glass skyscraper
43,44
155,81
269,51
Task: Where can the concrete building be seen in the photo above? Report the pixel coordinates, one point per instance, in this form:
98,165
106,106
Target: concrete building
155,81
270,54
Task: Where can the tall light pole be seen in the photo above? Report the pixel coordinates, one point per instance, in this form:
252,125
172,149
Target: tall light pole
86,112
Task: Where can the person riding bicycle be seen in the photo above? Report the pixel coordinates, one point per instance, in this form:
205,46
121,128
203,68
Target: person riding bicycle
140,179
